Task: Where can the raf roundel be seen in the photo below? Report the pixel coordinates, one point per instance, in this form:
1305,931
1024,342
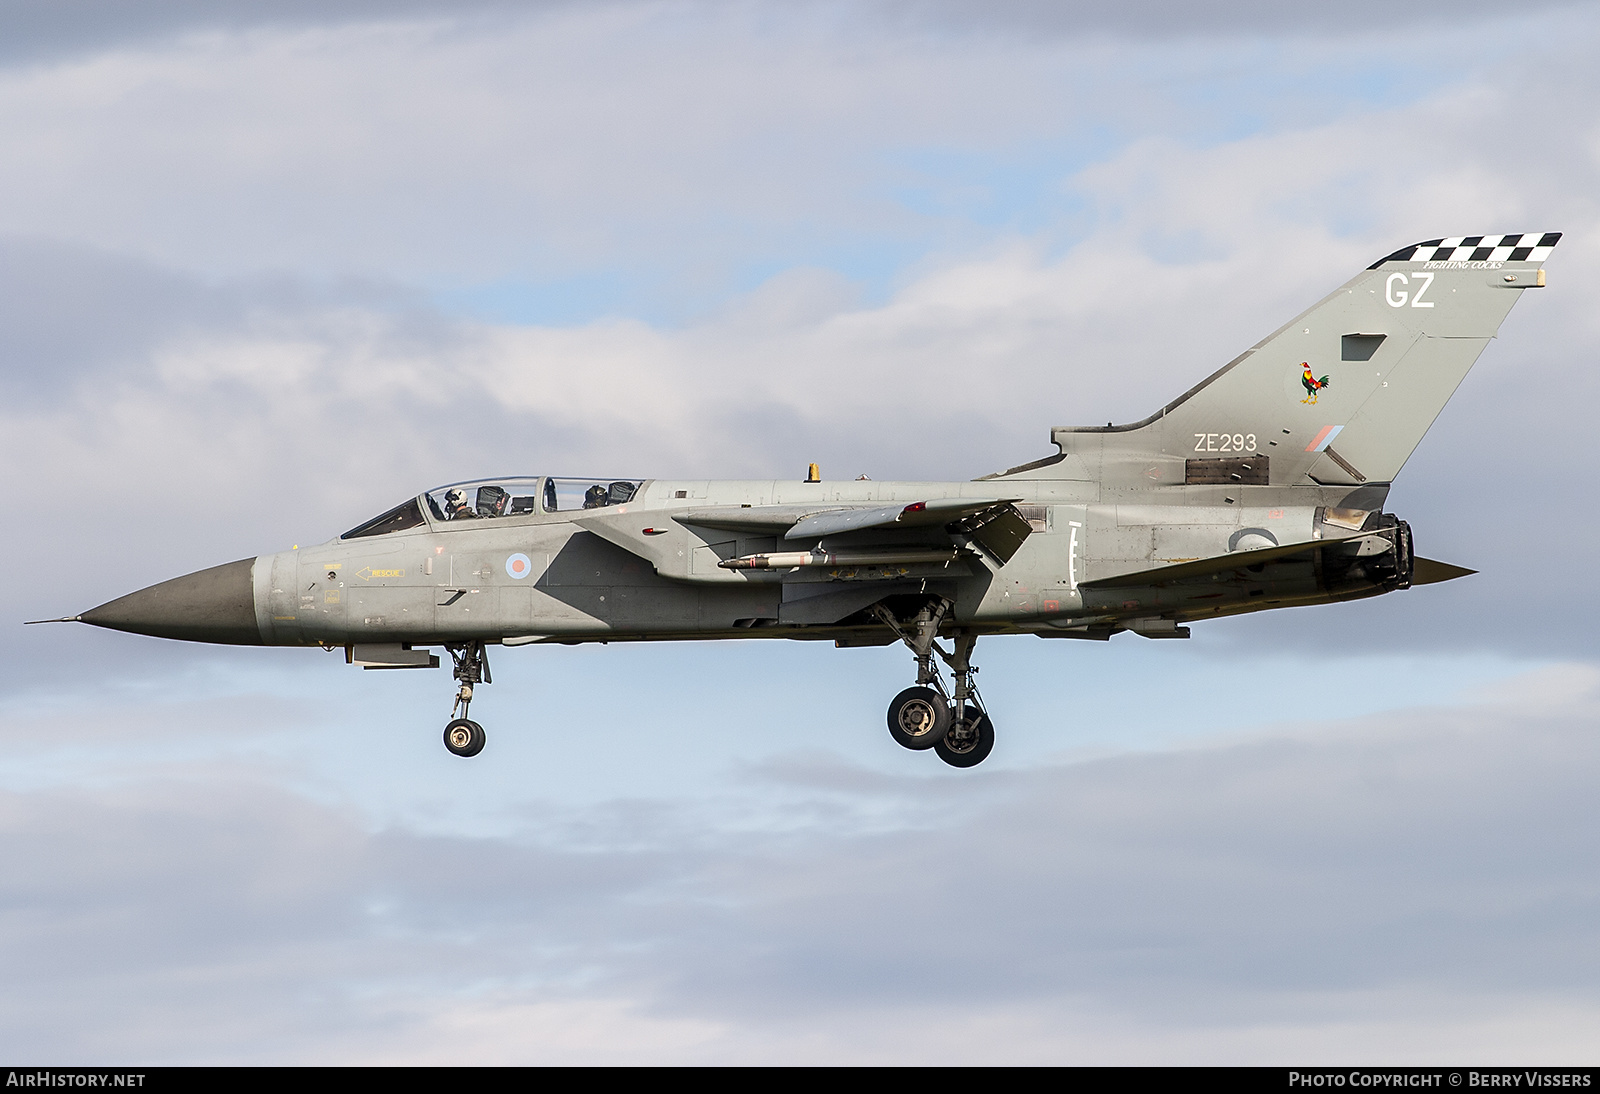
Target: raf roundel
519,566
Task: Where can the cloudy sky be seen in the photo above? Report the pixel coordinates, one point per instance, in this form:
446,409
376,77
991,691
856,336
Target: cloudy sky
268,267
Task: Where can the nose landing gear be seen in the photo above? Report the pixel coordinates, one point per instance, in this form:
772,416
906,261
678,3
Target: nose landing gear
951,720
462,736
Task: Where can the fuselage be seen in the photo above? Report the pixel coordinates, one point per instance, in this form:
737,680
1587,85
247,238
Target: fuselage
647,569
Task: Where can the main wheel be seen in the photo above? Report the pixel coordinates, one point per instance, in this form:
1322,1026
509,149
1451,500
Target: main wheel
464,738
969,742
918,718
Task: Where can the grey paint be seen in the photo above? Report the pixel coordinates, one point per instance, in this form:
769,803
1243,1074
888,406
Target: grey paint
213,605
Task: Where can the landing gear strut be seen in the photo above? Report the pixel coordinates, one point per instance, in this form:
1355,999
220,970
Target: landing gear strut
950,720
969,741
463,736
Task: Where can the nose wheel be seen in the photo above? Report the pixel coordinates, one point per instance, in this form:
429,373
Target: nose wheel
463,736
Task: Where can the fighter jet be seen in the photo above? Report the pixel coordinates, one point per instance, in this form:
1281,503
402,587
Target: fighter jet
1261,487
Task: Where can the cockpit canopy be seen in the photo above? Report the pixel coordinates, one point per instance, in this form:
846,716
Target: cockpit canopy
488,499
565,495
484,499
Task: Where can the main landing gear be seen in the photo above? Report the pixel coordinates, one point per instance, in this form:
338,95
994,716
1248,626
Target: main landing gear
950,720
463,736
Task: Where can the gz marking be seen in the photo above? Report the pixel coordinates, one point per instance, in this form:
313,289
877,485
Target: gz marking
1397,297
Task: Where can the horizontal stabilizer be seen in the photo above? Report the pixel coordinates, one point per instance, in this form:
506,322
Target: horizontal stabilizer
1425,571
1234,560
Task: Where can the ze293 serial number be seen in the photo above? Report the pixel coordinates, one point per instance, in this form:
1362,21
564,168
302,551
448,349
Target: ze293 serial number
1224,442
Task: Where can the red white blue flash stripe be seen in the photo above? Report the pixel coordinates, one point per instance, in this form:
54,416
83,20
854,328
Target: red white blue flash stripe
1324,439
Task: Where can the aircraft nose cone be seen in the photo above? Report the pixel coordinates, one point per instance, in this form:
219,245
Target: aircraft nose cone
215,605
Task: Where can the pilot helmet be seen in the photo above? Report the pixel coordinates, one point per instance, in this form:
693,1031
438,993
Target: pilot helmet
456,498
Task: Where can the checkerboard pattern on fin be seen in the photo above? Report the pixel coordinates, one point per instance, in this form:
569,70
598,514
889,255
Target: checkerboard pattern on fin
1527,247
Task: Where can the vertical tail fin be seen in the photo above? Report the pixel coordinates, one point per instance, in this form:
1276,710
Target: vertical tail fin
1343,394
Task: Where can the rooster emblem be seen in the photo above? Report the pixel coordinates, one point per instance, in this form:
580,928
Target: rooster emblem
1312,384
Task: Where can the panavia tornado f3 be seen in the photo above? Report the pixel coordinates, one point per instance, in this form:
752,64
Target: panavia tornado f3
1262,487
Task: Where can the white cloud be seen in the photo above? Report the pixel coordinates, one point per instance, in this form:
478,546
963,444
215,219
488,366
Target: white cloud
1398,890
428,148
685,144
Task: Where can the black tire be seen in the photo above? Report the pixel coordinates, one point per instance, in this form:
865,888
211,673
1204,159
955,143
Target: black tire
464,738
974,749
918,718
